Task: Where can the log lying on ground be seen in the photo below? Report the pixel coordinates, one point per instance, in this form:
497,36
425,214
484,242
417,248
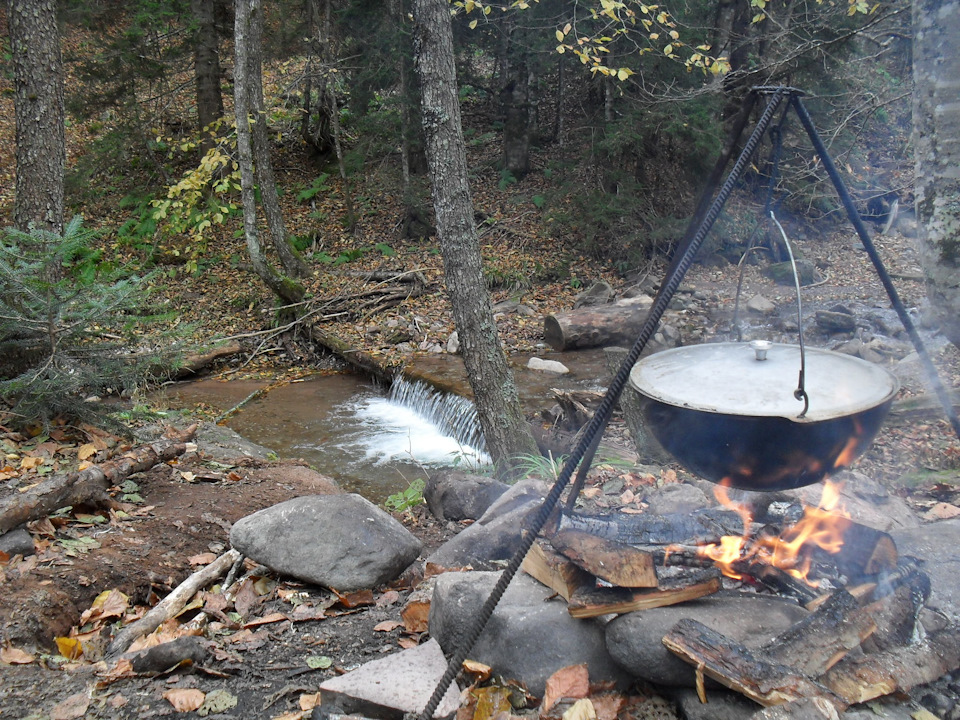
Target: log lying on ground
87,486
193,364
596,326
816,643
860,679
733,665
171,604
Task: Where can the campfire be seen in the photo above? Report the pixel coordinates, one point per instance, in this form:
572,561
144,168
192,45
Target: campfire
860,641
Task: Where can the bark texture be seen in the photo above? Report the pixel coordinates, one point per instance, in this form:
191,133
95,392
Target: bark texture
41,147
505,429
206,60
248,31
936,124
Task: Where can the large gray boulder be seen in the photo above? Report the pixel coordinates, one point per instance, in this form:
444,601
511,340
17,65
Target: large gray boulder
338,541
635,640
496,535
936,543
456,495
529,636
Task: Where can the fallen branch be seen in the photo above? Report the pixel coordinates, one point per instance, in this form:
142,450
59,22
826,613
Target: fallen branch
171,604
88,486
193,364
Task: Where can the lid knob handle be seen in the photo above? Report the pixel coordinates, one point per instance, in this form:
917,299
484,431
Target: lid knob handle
760,348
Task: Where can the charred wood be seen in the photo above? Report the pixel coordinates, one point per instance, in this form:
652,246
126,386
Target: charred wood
593,602
608,560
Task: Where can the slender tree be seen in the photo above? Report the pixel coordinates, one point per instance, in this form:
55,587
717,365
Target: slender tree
206,60
249,23
936,123
41,145
507,433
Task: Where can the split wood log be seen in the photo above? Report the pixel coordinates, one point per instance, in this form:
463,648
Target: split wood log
594,602
193,364
618,564
863,678
557,572
865,551
171,604
87,486
596,326
819,641
733,665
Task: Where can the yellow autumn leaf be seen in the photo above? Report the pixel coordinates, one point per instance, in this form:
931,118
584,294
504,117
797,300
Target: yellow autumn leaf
561,49
29,463
668,49
69,647
473,24
559,35
85,451
624,73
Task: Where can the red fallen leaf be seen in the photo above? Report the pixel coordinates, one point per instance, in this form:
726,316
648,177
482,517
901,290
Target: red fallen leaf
571,682
303,613
387,626
407,642
202,559
266,620
185,699
415,616
355,599
608,705
390,597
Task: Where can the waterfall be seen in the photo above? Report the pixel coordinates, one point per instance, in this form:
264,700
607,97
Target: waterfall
452,414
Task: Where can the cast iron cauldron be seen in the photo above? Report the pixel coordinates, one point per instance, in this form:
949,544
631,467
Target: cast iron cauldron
728,412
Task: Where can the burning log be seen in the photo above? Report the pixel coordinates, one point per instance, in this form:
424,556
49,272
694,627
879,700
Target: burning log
609,560
735,666
587,602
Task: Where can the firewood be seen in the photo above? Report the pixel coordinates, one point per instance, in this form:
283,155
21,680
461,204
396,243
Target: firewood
823,638
87,486
863,678
907,573
171,604
865,551
595,326
618,564
593,602
557,572
736,667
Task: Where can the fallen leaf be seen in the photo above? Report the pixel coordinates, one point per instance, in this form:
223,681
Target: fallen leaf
581,710
86,451
608,705
188,476
217,701
319,662
668,476
390,597
108,604
29,463
69,647
202,559
479,672
942,511
491,701
309,702
415,616
185,699
72,708
15,656
571,682
355,599
627,496
387,626
267,620
407,642
305,613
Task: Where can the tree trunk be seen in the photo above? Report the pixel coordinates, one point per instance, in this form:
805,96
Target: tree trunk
248,32
515,101
936,126
506,431
38,100
293,265
206,61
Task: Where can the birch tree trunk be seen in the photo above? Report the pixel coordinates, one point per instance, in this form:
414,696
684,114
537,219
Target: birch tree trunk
38,107
249,20
936,128
505,429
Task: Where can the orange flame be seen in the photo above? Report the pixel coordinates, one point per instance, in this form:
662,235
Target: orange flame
821,527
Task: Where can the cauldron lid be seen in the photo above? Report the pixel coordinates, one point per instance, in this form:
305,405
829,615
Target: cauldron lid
728,378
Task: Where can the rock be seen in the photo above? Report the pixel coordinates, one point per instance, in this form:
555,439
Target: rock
635,639
222,443
456,495
160,658
720,705
867,501
600,293
553,366
529,636
782,273
453,343
807,708
634,297
937,544
676,498
338,541
392,686
760,305
17,542
835,322
496,534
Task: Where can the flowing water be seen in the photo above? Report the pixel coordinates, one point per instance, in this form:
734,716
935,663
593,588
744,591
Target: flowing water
373,443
